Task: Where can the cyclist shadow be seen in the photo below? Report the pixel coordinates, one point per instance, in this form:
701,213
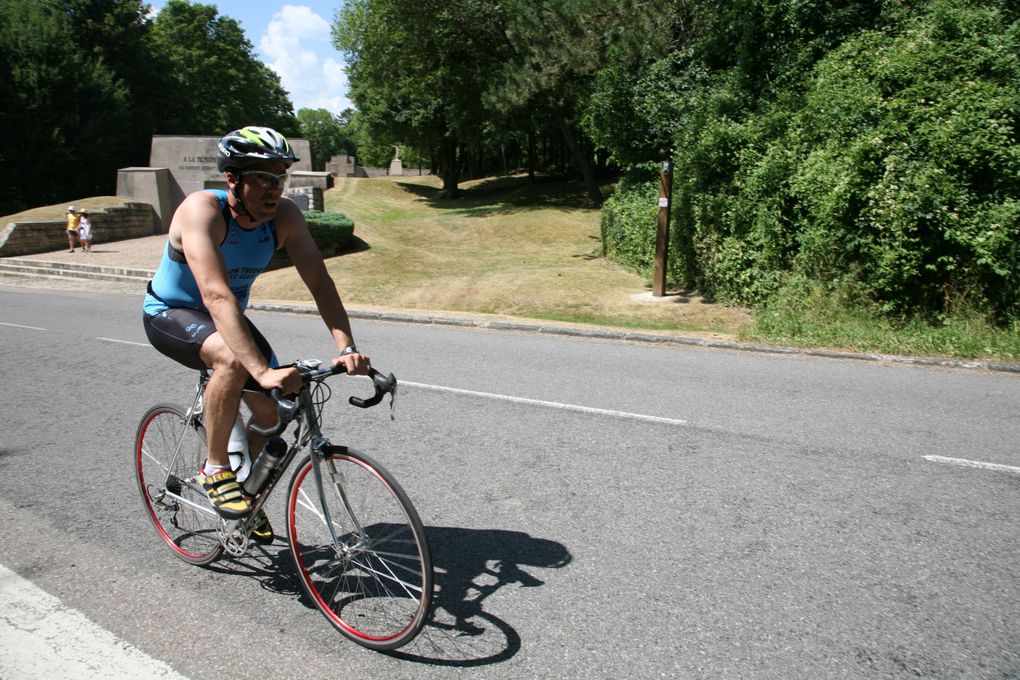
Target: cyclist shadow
470,565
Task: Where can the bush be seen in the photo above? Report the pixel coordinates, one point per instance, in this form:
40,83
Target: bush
629,219
333,232
891,168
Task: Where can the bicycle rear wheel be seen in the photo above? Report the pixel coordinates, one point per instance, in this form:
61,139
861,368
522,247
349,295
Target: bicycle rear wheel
173,497
374,584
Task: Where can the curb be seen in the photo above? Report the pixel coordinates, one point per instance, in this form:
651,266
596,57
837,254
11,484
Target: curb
642,337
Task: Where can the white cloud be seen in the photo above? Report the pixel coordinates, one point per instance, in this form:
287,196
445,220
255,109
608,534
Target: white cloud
296,44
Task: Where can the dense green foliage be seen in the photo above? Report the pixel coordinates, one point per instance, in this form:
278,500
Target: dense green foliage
213,79
327,134
84,84
868,153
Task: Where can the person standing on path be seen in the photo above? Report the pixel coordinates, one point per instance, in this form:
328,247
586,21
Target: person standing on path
73,220
85,232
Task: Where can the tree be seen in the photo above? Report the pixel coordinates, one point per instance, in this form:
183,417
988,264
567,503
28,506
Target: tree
119,33
861,150
327,134
214,83
555,50
433,103
65,112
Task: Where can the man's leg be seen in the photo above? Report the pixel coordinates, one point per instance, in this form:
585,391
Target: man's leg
263,412
220,404
189,337
222,396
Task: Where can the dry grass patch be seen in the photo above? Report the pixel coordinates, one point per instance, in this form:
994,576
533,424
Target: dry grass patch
506,247
58,210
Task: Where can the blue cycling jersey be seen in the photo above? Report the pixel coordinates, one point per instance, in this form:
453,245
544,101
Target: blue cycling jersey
245,251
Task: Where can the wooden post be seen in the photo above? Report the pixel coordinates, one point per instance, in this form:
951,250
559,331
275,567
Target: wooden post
662,233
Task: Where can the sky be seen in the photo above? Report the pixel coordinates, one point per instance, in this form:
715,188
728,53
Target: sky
292,38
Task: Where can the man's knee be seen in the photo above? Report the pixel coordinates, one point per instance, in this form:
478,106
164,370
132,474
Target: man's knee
218,357
263,409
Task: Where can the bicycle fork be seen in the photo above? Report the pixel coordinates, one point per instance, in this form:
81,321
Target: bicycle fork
341,549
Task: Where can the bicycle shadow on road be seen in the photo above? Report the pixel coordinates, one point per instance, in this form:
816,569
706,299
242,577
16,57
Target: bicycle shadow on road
470,565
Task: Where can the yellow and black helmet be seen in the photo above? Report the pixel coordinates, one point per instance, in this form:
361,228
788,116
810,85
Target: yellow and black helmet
244,148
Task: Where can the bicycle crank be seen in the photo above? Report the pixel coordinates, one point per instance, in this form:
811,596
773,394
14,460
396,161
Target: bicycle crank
234,537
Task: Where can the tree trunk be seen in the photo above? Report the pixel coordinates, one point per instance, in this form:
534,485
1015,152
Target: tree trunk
580,158
448,169
531,155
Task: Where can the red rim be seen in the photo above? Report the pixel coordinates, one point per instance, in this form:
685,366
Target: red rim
303,570
145,493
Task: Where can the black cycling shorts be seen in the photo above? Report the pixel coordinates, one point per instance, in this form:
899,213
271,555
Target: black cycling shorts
179,333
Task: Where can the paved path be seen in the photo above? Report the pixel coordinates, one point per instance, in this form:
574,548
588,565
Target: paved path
137,252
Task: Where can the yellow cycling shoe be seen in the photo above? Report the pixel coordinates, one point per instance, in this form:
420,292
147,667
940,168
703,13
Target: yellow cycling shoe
225,494
262,530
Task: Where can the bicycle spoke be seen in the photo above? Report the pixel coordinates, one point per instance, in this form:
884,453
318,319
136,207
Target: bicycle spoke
388,574
167,452
374,584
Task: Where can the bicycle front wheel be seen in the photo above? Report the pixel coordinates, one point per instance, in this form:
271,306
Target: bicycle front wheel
168,454
360,549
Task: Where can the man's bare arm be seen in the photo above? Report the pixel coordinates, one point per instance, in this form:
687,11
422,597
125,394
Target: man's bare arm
308,261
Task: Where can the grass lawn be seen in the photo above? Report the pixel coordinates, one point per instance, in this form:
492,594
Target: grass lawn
506,247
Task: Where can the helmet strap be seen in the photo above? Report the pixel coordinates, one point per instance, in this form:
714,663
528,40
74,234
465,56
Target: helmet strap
241,209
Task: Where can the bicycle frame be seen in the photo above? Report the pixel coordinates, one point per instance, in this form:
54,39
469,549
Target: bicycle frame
234,533
360,549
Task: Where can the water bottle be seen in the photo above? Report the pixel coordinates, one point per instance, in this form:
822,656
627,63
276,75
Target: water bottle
271,456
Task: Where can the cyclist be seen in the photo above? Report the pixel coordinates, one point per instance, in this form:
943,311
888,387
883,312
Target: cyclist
218,242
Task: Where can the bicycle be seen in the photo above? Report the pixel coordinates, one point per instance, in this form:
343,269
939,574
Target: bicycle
358,545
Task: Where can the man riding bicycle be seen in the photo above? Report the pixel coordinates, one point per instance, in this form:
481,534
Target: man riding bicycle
218,242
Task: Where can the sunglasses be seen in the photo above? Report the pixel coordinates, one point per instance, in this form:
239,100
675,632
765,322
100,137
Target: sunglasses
267,180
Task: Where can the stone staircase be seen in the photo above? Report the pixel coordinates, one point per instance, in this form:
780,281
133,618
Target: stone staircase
42,269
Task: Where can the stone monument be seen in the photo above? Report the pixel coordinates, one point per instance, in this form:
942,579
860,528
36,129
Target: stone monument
396,165
180,165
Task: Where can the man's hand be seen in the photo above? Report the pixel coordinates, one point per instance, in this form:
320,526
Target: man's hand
287,379
356,364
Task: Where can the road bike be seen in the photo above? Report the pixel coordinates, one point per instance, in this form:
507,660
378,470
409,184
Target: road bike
358,544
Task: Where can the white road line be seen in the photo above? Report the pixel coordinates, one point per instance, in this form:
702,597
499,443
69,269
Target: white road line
974,463
125,342
42,639
549,404
18,325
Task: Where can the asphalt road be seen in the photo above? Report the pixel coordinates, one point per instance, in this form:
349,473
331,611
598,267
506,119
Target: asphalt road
638,511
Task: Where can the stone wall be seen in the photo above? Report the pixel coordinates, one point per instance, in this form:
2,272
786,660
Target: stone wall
147,185
346,165
116,223
306,198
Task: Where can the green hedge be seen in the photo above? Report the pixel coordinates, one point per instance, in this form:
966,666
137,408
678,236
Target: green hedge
333,232
890,167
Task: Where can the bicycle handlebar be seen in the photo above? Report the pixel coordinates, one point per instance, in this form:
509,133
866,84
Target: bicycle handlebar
286,409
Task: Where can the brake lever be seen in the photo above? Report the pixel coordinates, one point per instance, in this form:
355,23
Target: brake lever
285,411
382,384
